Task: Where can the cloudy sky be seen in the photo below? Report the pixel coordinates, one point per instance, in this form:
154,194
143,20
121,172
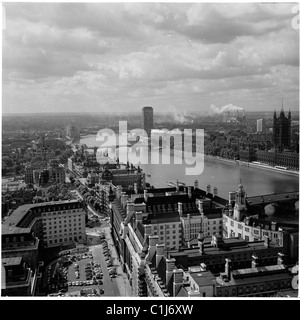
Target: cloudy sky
173,56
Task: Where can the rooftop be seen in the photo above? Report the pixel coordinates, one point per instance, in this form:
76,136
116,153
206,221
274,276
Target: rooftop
203,278
10,225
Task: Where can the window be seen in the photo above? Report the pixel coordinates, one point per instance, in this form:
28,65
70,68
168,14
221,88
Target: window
255,231
247,238
220,293
247,229
240,226
232,223
226,293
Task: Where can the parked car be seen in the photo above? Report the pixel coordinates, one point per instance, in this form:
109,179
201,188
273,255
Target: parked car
101,291
100,282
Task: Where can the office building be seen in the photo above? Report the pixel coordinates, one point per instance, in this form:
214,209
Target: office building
148,120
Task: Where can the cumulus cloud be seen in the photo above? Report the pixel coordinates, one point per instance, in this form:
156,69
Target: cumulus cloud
182,55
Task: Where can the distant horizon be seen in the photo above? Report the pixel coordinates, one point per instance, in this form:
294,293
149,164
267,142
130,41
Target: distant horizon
140,113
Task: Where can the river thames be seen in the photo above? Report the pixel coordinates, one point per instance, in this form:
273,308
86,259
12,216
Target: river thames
224,175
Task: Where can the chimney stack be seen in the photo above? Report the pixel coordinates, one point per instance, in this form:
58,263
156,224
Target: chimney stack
145,195
215,191
208,189
280,259
190,192
203,266
228,268
138,217
196,184
170,266
177,281
153,241
201,244
148,229
160,250
254,262
136,190
273,226
180,210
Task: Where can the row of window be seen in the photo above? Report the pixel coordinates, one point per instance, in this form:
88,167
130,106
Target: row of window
256,231
255,288
63,240
166,226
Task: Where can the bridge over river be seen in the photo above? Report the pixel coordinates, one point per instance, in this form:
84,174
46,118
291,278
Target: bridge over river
271,198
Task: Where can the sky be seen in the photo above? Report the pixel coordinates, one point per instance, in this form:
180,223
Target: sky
175,57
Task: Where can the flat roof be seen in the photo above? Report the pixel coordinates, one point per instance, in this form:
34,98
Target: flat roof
203,278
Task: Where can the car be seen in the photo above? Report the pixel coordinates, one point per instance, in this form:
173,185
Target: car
113,275
101,291
74,283
80,283
95,282
100,282
77,283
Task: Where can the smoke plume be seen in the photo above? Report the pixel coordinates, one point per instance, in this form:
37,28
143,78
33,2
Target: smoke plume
227,107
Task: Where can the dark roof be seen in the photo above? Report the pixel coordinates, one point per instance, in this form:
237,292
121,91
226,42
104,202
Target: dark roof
154,218
184,198
229,246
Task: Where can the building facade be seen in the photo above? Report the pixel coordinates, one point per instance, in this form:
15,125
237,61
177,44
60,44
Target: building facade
282,130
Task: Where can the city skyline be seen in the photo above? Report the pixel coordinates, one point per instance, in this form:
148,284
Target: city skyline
98,57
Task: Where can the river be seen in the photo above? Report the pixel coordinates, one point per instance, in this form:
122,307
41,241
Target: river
221,174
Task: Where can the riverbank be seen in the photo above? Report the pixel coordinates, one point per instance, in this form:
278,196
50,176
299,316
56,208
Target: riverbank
254,165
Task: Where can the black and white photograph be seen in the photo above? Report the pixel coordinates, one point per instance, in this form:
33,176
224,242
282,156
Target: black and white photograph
150,151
